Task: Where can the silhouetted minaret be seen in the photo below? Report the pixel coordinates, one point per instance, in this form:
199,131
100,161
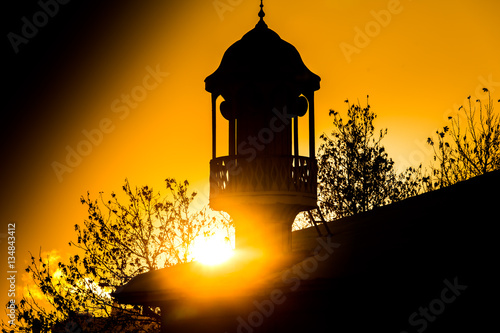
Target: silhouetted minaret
262,88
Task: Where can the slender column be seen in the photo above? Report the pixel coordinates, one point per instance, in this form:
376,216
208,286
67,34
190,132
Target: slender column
312,143
296,135
232,137
214,127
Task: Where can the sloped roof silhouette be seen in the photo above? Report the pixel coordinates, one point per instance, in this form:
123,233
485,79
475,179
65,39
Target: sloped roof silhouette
395,256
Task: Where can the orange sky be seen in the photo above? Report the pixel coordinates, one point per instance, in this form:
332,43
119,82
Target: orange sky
417,60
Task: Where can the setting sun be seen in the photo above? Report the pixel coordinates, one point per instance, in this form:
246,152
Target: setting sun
212,250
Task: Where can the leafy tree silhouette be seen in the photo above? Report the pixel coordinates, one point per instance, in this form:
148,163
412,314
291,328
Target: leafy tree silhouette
355,173
119,240
469,146
144,231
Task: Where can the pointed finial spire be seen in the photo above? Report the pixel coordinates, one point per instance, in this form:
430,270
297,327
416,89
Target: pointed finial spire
261,23
261,13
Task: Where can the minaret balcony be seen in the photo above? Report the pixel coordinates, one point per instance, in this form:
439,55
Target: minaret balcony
263,180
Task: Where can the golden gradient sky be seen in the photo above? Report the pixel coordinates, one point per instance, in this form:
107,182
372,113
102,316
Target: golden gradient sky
417,66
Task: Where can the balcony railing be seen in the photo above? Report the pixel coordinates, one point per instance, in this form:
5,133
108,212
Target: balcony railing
231,175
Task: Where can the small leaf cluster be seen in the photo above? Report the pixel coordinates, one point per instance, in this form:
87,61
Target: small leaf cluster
469,146
355,172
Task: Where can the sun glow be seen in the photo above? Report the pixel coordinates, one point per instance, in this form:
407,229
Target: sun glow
212,250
